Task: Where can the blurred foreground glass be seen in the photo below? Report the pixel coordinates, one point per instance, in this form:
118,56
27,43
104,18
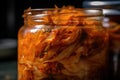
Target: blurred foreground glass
62,44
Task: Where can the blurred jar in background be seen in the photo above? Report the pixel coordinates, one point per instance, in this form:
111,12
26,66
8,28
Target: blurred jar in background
111,21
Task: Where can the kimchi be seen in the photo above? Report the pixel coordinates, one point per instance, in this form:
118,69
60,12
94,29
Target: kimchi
62,44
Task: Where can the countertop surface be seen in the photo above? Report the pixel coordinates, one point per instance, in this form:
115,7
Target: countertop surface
8,70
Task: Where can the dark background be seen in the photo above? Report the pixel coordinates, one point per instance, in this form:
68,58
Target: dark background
12,11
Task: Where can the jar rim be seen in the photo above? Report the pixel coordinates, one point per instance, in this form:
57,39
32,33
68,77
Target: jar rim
40,9
90,11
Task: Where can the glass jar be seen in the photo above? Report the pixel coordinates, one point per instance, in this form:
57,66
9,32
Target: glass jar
62,44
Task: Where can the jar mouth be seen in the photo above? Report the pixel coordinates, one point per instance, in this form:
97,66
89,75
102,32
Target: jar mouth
63,16
87,11
50,9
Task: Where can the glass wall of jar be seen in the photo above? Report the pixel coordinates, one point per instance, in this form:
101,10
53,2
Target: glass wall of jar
62,44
